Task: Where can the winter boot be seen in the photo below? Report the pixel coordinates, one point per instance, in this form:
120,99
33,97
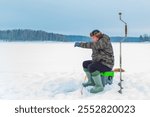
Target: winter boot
90,81
98,83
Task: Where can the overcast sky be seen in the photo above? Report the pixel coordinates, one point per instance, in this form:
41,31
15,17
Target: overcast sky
76,16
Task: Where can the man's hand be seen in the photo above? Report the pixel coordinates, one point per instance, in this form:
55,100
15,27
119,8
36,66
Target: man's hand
77,44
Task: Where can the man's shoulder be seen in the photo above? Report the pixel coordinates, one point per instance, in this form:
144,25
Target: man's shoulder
105,38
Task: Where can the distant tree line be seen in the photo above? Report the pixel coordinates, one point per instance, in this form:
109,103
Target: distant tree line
145,37
30,35
39,35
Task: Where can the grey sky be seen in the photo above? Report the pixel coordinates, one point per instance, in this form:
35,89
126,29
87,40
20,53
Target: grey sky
76,16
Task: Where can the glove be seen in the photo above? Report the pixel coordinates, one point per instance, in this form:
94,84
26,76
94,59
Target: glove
77,44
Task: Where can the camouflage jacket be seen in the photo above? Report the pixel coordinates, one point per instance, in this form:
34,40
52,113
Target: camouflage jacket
101,51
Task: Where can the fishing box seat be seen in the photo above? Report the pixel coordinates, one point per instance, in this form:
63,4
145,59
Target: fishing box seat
107,77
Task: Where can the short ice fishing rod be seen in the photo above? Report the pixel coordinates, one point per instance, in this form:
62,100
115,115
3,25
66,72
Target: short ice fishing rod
126,31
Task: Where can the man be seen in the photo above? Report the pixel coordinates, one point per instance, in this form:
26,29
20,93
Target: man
102,59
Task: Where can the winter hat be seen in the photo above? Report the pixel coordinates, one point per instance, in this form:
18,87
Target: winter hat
96,33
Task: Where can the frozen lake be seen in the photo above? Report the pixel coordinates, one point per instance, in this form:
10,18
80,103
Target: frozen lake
51,70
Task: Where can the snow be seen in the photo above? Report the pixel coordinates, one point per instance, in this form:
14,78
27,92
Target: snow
52,70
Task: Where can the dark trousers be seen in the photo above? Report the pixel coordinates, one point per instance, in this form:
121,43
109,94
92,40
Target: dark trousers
92,66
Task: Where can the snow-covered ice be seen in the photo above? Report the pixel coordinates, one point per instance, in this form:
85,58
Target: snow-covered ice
52,70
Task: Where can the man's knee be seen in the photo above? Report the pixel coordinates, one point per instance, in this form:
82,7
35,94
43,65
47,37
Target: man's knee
85,64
